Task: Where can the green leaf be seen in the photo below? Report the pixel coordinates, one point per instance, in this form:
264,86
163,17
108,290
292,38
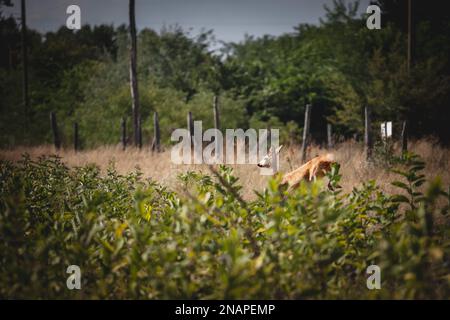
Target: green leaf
419,182
402,173
402,185
400,198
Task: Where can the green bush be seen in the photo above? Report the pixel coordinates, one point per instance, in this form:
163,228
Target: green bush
133,238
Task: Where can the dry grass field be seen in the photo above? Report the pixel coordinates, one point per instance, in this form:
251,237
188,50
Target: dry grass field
159,167
151,243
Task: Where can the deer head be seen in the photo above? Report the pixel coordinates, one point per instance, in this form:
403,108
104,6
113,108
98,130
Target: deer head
266,162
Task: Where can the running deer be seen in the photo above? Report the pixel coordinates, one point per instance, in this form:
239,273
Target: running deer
311,170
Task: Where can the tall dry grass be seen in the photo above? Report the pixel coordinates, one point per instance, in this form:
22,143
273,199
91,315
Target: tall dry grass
159,167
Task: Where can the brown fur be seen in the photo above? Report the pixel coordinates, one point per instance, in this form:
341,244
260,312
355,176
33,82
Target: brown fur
315,168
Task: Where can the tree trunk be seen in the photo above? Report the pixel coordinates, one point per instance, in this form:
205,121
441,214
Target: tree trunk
411,37
133,77
26,99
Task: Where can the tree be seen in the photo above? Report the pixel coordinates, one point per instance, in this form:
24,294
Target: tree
133,78
26,99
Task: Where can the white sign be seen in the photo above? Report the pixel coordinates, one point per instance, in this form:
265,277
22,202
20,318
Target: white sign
386,130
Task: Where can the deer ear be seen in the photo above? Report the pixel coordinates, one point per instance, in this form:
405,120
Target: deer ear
279,148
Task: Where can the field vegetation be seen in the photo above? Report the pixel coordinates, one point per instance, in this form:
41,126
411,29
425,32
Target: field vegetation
141,227
203,236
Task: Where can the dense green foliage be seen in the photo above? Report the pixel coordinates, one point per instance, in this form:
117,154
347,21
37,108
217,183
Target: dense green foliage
133,238
338,65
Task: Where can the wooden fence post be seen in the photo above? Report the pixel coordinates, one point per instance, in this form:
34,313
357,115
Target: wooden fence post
156,134
140,134
190,126
56,140
76,144
330,136
368,142
216,112
124,133
190,123
216,120
404,137
306,132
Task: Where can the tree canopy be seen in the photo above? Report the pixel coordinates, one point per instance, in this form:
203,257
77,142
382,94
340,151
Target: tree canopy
338,65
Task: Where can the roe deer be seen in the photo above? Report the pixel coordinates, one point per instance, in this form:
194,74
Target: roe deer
311,170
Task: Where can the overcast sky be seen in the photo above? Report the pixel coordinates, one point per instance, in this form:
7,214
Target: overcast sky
230,19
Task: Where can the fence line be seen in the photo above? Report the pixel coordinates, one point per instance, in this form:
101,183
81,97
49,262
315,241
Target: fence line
156,143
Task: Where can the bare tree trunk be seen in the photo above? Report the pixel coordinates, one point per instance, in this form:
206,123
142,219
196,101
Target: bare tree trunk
26,99
133,77
410,36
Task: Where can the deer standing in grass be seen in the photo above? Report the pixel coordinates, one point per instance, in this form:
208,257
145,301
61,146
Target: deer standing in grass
311,170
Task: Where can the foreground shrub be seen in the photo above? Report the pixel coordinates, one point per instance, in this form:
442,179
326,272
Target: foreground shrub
133,238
